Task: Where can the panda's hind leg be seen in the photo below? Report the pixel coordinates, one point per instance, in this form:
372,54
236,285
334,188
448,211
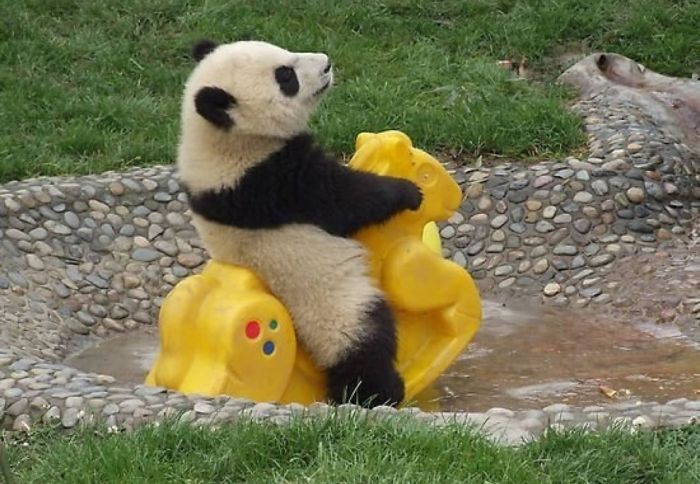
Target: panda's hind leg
340,315
366,375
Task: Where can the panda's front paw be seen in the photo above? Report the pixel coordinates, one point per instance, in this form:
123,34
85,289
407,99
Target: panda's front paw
411,197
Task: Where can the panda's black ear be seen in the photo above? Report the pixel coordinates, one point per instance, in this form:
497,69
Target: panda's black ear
202,48
211,103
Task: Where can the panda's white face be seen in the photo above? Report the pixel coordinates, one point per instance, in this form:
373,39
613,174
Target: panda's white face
255,88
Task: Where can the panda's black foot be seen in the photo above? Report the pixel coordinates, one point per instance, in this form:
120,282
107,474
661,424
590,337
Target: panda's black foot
366,375
369,390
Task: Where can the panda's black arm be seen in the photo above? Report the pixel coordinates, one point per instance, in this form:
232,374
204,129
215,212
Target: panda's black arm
300,184
342,200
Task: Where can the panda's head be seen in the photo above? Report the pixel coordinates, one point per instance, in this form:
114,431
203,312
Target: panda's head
254,88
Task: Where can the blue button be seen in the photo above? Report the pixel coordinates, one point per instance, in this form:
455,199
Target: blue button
268,347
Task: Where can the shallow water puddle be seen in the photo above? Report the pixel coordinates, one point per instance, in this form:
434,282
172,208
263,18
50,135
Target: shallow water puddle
522,357
529,357
128,357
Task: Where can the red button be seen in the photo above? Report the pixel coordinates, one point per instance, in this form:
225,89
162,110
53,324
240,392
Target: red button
252,329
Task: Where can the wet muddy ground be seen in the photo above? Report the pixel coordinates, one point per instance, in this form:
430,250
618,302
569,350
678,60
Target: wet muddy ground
529,357
643,346
523,357
127,357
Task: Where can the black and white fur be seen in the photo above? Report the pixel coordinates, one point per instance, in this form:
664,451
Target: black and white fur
263,195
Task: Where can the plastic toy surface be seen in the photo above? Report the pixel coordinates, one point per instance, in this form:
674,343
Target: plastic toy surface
223,332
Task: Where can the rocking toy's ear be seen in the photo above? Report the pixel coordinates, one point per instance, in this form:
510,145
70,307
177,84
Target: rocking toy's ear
362,139
383,153
401,148
202,48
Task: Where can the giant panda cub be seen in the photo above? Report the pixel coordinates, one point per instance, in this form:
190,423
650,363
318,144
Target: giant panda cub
264,196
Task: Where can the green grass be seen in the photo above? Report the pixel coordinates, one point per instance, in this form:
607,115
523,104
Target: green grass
351,449
88,86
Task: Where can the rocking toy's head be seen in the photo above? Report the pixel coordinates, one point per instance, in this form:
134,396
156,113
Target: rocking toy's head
254,88
392,153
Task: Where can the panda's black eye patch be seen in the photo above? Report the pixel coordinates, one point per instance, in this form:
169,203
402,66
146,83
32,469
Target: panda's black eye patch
287,79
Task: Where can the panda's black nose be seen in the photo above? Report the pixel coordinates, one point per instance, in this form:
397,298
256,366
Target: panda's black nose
328,68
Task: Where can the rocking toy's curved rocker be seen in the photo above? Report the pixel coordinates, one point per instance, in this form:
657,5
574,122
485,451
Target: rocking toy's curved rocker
223,333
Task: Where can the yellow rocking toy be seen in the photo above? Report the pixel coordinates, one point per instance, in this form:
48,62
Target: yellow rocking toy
223,333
